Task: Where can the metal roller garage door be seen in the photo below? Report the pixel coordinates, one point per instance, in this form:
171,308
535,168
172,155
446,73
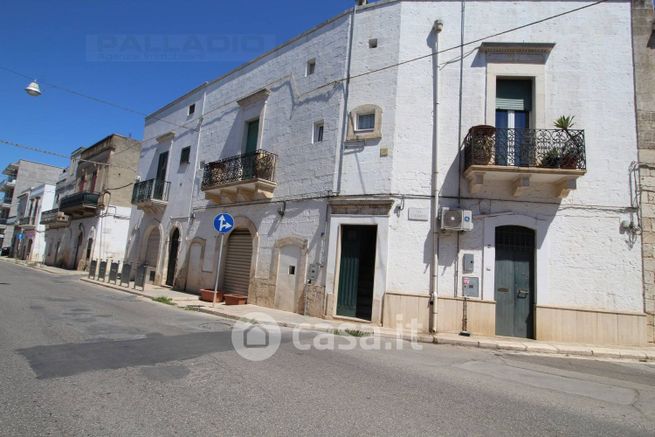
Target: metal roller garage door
152,249
237,262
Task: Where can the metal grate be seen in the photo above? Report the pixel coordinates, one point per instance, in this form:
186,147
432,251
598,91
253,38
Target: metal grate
249,166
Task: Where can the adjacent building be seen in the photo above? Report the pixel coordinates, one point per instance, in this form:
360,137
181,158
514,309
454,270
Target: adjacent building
91,213
380,172
30,246
643,25
20,177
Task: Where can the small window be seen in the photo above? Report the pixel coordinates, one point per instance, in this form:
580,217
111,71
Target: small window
365,122
292,270
373,43
318,132
311,67
185,155
192,109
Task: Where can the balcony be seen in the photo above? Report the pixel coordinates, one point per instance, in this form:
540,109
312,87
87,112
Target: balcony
240,178
54,219
83,204
524,158
3,222
8,184
26,222
151,195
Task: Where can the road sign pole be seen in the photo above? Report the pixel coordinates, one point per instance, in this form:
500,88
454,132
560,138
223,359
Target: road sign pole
218,267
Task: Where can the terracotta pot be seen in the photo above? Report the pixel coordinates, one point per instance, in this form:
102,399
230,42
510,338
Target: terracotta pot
235,299
208,295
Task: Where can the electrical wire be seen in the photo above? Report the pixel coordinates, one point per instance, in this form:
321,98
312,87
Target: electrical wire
59,155
331,83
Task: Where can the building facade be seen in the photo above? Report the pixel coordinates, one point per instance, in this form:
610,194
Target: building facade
21,176
91,214
379,170
643,25
30,245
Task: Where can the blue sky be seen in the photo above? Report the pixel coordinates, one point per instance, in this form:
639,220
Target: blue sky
75,44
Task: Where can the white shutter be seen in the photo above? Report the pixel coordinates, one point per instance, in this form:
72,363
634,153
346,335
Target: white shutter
237,263
152,249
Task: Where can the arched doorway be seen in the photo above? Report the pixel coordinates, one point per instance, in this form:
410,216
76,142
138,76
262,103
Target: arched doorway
89,247
514,281
173,247
78,249
238,261
151,254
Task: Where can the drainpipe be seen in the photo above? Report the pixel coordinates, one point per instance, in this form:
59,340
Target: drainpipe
195,165
434,279
346,90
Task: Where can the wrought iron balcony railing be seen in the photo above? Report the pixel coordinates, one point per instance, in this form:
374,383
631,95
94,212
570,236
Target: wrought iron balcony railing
53,216
25,221
3,220
152,189
79,201
544,148
241,168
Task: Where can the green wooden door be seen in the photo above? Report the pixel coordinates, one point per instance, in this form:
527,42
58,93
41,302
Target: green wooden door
252,136
514,281
356,271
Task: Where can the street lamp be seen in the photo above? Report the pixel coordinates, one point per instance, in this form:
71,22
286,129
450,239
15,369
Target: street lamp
33,89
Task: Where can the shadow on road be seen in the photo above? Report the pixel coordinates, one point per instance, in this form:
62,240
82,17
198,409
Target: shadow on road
74,358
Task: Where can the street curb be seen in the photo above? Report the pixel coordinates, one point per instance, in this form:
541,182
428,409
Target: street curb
482,343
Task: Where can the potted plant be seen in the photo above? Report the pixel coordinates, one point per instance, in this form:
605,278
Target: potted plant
207,295
483,144
235,299
551,159
572,150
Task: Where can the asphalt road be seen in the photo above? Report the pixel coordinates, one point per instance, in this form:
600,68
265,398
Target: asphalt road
76,359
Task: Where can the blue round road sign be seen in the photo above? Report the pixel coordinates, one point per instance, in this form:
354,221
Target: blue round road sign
224,223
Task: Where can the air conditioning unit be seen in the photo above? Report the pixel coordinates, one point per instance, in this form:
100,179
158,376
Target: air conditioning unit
456,219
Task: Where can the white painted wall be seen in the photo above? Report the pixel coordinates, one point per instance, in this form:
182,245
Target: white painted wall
584,261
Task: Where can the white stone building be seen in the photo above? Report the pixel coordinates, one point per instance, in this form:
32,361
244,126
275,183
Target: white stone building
31,244
337,152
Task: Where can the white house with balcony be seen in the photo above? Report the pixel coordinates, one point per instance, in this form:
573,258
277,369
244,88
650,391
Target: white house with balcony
380,173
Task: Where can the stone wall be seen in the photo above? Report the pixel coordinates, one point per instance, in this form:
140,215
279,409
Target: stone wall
644,60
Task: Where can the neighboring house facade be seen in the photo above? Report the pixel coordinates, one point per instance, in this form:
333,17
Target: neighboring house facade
21,176
337,165
91,213
643,24
31,245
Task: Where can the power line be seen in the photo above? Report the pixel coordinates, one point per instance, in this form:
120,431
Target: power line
59,155
92,98
331,83
429,55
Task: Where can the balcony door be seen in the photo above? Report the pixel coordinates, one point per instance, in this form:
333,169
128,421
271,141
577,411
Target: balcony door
252,135
513,107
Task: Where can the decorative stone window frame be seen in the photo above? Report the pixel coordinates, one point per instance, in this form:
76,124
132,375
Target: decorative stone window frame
518,60
357,135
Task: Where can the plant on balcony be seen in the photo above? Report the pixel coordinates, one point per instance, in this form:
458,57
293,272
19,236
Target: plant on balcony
572,151
484,144
551,159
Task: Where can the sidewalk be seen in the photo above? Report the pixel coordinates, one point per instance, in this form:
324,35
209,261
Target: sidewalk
292,320
43,267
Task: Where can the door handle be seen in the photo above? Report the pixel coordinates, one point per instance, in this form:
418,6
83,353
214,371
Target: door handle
522,293
503,290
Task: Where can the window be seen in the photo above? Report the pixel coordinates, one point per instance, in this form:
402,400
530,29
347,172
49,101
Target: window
311,67
365,122
185,154
373,43
192,109
318,131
